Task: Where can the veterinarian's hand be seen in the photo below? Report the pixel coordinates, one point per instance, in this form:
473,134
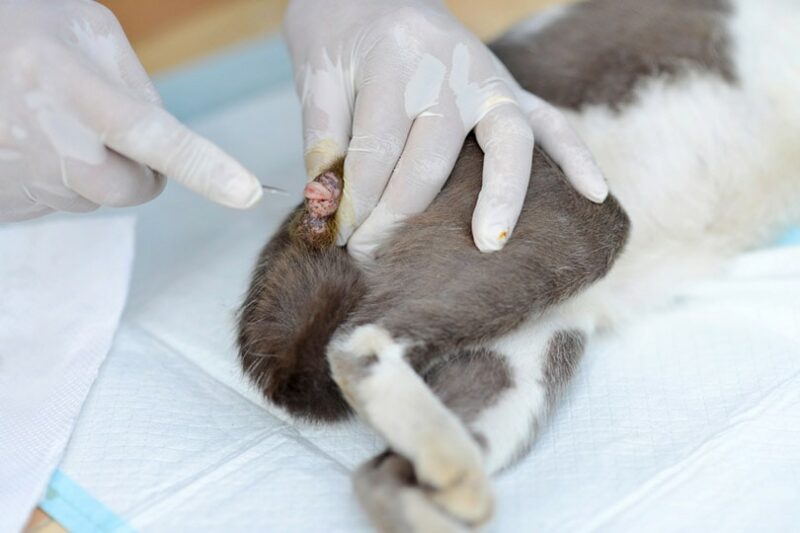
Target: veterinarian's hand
81,124
395,86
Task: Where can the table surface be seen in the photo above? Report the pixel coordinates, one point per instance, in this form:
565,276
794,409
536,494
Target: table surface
169,34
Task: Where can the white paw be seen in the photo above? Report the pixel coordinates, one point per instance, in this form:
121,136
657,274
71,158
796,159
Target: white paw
369,367
451,465
396,502
423,516
368,340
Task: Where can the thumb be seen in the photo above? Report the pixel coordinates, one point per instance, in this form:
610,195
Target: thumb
327,119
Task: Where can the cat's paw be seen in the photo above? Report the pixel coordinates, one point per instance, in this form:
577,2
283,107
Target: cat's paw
369,365
452,468
396,501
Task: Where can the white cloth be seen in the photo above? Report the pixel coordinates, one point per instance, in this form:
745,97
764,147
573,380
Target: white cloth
63,285
686,420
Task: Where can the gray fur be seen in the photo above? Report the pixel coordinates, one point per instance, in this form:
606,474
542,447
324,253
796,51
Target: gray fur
453,381
377,484
431,287
291,311
598,52
563,355
564,352
383,486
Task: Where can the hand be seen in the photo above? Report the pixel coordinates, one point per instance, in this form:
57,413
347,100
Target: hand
395,86
80,121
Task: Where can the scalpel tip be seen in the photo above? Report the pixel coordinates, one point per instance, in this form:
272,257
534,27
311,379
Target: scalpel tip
274,190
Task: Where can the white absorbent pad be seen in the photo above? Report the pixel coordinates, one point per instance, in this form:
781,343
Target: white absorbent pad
63,285
687,420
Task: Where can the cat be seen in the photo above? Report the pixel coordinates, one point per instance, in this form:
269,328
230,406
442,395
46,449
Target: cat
456,357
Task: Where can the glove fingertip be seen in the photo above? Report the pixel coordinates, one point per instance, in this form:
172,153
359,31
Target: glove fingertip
491,241
490,236
597,193
243,192
254,198
360,246
360,254
595,188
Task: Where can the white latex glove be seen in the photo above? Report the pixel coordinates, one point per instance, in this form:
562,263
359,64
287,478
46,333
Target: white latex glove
80,121
396,85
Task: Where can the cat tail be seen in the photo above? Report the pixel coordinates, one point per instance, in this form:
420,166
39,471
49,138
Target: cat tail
298,297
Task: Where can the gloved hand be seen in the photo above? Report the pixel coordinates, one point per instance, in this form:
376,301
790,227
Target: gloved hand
396,85
80,121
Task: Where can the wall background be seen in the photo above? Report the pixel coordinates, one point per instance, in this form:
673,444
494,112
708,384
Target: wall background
166,34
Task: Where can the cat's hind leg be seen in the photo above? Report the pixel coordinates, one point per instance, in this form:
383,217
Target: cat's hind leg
541,359
376,378
501,396
394,500
431,293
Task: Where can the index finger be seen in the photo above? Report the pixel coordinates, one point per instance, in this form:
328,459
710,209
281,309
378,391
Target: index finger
507,142
146,133
564,145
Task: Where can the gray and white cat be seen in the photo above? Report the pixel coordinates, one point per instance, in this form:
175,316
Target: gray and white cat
692,109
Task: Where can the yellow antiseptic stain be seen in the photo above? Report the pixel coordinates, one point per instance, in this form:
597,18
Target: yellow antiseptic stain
319,157
345,215
503,236
498,100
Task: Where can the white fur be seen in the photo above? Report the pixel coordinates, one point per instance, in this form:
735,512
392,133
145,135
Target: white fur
703,168
423,516
508,425
697,162
395,400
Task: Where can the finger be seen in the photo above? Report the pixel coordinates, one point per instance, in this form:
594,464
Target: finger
16,201
57,198
60,199
24,213
47,173
380,129
327,120
76,204
430,153
507,141
117,182
149,135
562,143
